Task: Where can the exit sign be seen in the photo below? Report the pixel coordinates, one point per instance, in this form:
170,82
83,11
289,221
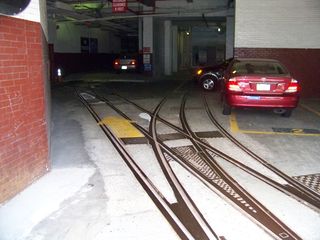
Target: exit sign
119,6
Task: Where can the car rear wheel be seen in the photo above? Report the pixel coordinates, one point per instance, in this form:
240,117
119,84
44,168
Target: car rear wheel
226,108
209,83
287,113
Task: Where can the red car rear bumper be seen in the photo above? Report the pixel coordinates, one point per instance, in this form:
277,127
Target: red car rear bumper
289,101
124,67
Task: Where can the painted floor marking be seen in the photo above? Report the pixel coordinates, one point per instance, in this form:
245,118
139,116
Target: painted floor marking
310,109
233,123
121,127
294,132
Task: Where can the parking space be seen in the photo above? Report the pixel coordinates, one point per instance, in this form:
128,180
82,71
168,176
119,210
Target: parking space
305,121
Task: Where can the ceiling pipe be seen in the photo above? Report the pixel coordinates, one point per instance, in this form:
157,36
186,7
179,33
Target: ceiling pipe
205,20
172,14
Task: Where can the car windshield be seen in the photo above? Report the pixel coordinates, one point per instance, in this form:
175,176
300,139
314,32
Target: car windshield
258,67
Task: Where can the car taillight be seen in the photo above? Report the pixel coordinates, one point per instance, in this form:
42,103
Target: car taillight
233,86
293,86
133,62
116,62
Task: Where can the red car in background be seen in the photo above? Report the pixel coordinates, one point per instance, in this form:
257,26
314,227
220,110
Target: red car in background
259,83
125,62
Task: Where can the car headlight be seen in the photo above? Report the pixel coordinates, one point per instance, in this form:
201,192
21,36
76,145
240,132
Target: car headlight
199,72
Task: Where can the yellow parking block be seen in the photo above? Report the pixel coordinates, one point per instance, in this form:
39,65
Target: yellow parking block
121,127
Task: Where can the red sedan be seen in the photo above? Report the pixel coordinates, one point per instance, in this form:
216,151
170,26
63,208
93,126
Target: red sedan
126,62
259,83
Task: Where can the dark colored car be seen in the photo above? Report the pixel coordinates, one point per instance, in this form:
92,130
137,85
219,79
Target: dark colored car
125,62
209,77
259,83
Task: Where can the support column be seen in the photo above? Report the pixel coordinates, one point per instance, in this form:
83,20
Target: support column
167,48
147,44
24,148
175,48
140,33
230,37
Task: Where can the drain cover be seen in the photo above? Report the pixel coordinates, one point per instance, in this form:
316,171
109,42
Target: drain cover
311,181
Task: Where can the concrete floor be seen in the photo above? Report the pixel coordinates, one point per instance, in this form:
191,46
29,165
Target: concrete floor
85,195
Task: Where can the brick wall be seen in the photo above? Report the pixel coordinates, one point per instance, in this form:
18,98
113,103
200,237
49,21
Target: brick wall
23,133
303,64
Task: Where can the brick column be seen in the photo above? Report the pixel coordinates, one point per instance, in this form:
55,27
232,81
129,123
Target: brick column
23,132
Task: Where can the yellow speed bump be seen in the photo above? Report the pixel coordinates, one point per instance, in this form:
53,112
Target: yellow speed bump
121,127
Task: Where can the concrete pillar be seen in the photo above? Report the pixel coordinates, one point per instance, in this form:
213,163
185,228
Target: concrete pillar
175,48
140,34
147,44
167,48
229,37
148,33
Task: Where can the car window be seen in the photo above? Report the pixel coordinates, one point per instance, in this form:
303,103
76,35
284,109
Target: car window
258,67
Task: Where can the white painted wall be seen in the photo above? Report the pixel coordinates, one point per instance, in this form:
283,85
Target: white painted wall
66,38
277,24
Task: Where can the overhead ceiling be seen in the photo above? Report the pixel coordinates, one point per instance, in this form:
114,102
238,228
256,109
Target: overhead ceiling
99,14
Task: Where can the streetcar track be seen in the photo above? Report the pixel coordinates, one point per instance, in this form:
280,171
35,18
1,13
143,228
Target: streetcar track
294,187
265,219
204,149
231,188
175,184
184,210
294,191
159,200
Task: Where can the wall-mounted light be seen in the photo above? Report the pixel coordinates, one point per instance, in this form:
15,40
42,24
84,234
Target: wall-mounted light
188,33
219,29
59,72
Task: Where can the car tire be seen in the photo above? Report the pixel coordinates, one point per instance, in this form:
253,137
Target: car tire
226,108
287,113
208,83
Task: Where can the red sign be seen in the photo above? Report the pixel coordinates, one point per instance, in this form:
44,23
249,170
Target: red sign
147,50
119,6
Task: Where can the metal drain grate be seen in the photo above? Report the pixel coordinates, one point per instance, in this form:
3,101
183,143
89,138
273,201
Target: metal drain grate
191,155
311,181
